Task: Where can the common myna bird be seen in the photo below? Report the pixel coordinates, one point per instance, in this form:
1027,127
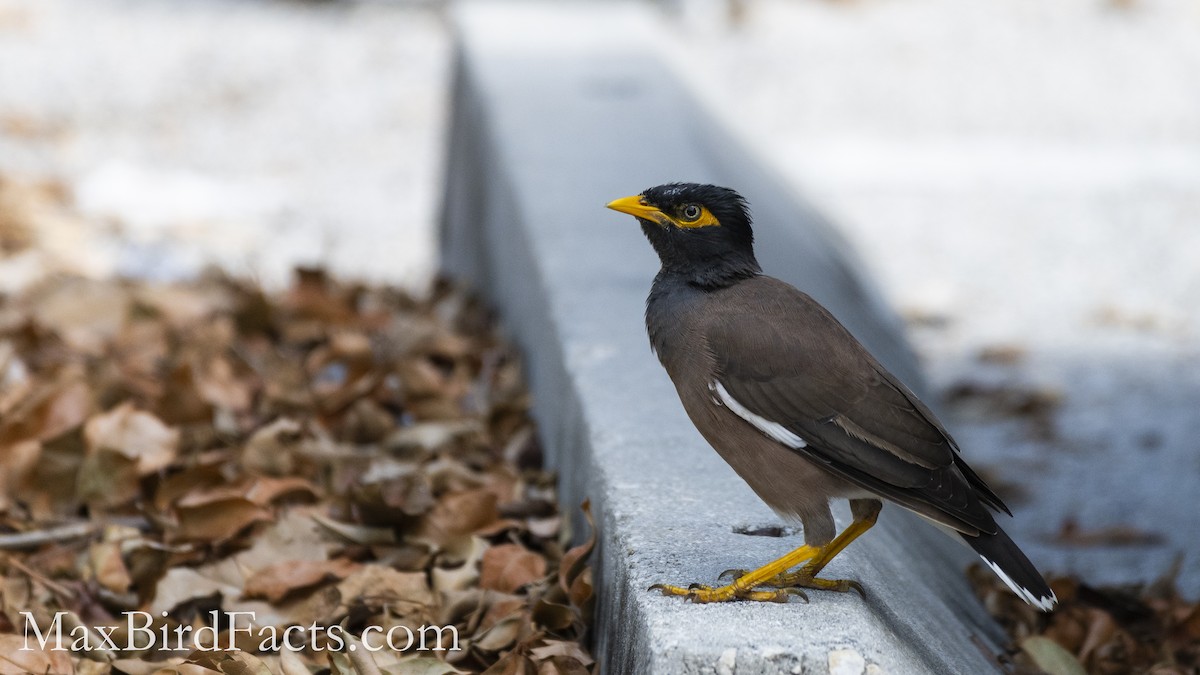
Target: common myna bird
798,408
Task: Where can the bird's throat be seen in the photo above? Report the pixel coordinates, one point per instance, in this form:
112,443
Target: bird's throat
710,274
699,263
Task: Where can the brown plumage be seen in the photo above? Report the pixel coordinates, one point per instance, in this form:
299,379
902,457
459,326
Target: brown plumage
795,405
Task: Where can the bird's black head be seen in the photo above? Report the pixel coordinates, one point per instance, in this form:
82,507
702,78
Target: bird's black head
700,232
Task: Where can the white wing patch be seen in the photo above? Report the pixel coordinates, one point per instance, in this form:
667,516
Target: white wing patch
1045,604
774,430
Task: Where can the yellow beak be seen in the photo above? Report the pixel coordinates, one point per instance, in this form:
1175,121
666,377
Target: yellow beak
634,206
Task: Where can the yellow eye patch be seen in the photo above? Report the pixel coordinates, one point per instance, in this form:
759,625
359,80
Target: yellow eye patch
694,215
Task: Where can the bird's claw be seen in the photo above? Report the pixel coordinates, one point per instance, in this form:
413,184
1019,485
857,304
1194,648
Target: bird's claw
733,574
796,592
698,592
798,580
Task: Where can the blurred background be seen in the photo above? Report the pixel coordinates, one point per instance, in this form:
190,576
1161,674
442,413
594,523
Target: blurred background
1021,177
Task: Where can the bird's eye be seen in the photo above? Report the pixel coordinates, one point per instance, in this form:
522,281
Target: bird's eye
690,213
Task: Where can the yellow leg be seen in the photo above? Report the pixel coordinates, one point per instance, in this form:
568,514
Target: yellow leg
866,512
743,586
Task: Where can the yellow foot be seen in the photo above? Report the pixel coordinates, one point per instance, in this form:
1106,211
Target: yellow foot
802,579
703,594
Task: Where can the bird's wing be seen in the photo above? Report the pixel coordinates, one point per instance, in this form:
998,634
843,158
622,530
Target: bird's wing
788,362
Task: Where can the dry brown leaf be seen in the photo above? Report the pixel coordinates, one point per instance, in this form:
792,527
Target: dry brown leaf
107,566
220,385
89,667
502,635
291,664
397,485
17,223
294,536
261,490
52,486
280,579
132,666
181,402
364,422
135,368
359,534
574,576
217,520
458,514
421,665
1188,625
271,449
184,584
16,381
582,591
87,314
264,490
135,434
567,648
184,669
429,436
204,475
17,658
236,662
562,665
463,575
50,410
184,306
500,607
1101,630
1050,657
553,616
513,663
508,567
386,584
17,462
108,478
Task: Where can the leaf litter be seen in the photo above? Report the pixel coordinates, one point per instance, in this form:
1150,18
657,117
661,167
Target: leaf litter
1148,628
339,455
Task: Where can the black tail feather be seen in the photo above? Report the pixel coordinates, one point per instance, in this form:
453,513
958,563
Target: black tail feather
1011,565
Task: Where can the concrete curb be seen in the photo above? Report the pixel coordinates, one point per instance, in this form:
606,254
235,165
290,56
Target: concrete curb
559,108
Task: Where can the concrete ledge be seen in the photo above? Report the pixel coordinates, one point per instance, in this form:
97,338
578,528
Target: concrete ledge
559,108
